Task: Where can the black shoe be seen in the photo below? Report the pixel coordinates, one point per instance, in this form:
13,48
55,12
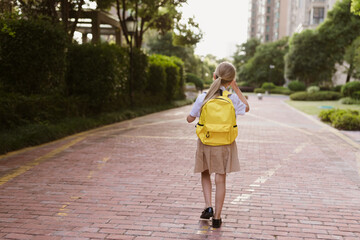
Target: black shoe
216,223
207,213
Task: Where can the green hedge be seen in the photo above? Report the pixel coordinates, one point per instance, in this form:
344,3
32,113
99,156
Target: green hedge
276,90
350,88
190,77
317,96
32,56
165,76
297,86
268,86
96,74
341,119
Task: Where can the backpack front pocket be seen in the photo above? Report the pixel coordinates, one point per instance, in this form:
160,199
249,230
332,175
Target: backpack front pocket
215,134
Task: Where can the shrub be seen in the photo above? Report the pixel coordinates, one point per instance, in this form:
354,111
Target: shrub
356,95
346,121
337,88
190,77
349,101
259,90
313,89
350,88
341,118
32,56
180,90
140,66
317,96
156,76
268,86
325,115
96,73
297,86
281,90
246,89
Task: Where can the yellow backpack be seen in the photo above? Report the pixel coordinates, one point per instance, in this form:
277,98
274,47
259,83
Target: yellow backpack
217,124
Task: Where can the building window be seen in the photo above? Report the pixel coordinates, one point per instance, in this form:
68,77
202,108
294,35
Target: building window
267,37
268,9
318,15
252,29
267,19
267,28
269,1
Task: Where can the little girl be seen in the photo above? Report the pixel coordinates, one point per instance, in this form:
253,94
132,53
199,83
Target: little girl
217,159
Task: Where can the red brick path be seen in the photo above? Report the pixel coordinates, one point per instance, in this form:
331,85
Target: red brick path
135,180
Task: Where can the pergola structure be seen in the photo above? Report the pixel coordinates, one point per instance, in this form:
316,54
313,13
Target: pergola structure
97,23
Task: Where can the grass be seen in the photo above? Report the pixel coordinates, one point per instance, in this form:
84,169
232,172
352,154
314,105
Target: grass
313,107
38,133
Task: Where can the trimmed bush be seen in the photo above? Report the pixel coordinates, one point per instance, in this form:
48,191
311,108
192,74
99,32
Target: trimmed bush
32,56
192,78
180,94
356,95
341,118
313,89
259,90
97,73
164,76
297,86
324,115
346,121
281,90
317,96
337,88
349,101
350,88
268,86
246,89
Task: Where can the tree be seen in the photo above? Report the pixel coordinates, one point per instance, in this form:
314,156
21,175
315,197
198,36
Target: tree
351,55
306,59
355,7
245,51
313,54
267,64
161,15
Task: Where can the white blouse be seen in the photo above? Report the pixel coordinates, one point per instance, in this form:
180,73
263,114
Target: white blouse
239,106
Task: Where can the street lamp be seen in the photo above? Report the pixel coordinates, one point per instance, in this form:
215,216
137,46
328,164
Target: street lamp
131,23
271,67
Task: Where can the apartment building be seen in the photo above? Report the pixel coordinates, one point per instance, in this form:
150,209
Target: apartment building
271,20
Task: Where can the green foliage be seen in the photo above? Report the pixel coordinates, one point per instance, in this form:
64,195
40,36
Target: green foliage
259,90
297,86
32,56
257,70
341,119
268,86
356,95
337,88
324,115
245,52
355,7
313,53
281,90
317,96
38,133
349,101
349,88
313,89
140,65
192,78
306,59
97,73
164,76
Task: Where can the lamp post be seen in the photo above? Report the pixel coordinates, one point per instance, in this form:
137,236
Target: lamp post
131,23
271,67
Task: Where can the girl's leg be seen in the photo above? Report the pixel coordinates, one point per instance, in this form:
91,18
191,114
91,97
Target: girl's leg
206,186
220,181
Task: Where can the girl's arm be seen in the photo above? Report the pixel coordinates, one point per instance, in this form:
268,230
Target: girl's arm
190,118
238,92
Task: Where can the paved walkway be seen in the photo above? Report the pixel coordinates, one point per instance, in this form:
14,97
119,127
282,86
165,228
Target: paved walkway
134,180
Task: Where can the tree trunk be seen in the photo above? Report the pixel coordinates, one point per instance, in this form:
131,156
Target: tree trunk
350,72
80,3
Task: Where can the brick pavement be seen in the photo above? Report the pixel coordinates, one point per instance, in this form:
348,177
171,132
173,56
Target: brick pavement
134,180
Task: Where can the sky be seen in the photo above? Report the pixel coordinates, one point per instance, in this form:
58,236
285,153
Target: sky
223,22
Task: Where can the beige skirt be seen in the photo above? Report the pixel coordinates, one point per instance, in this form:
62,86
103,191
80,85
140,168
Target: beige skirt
216,159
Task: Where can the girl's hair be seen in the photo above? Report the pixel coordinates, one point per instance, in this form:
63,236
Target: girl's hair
224,73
